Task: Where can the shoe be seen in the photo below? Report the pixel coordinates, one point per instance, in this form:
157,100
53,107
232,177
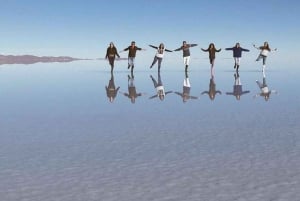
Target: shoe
234,66
128,66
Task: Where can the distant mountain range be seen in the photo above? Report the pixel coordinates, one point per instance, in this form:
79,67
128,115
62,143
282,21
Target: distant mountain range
31,59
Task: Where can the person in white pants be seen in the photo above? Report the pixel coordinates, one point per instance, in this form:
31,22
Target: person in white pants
186,53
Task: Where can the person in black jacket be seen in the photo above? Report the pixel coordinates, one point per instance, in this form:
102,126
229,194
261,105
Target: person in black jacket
111,54
111,89
212,53
131,54
237,54
186,53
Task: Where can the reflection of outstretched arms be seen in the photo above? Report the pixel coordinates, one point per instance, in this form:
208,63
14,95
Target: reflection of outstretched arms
178,93
153,96
168,92
183,95
230,93
125,94
245,92
193,97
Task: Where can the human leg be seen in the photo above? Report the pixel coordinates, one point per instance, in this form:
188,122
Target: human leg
186,61
159,62
154,61
111,62
130,62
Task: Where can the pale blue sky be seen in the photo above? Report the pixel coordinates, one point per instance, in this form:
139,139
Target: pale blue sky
84,28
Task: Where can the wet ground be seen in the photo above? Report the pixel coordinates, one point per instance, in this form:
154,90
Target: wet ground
77,132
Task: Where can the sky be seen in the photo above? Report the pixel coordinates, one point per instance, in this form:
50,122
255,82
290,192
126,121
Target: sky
83,29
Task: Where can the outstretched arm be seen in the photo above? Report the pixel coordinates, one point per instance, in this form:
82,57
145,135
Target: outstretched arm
153,46
229,48
256,47
178,49
193,45
204,50
168,50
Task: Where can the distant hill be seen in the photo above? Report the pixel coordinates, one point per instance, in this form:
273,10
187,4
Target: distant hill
31,59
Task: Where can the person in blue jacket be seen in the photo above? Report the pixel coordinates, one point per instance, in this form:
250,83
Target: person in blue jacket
237,54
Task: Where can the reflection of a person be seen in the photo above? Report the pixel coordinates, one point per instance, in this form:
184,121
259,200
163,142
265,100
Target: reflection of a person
212,92
132,94
160,89
186,89
237,87
111,90
265,92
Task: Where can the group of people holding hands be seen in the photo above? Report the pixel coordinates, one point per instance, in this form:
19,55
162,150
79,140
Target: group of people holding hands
237,50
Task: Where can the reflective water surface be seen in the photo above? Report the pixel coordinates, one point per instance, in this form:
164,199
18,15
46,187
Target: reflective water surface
77,132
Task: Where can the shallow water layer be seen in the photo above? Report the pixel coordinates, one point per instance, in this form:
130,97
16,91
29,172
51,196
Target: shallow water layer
64,137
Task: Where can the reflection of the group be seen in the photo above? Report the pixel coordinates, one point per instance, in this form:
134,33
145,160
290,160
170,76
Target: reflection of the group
132,94
212,92
160,89
111,90
237,87
185,94
265,92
